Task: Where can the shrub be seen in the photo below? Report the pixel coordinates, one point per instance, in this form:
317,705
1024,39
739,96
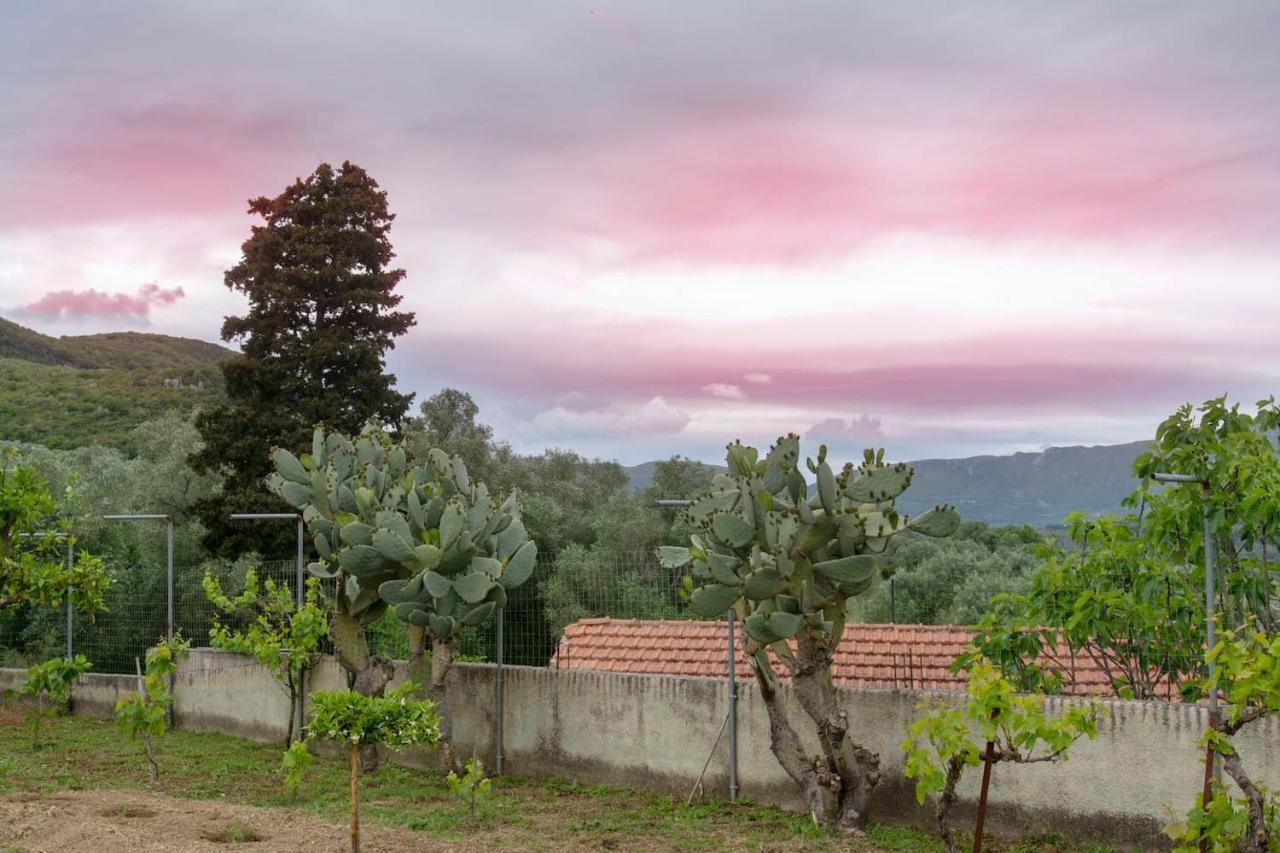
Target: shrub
145,715
48,685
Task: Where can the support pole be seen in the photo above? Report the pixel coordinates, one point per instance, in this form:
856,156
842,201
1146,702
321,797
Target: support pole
300,598
733,715
500,691
893,602
1211,638
299,592
71,564
169,560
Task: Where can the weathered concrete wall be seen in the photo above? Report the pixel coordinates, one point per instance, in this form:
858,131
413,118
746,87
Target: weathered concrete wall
94,696
657,731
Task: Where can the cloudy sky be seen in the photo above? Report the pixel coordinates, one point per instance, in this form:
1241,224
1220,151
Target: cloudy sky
648,228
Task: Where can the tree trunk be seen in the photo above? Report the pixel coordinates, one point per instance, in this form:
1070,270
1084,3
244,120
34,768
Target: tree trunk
805,771
1259,836
369,675
437,691
955,767
852,771
293,711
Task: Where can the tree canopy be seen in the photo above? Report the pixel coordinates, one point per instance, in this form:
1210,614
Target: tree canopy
322,314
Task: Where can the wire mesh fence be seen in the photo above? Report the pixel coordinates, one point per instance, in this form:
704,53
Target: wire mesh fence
575,584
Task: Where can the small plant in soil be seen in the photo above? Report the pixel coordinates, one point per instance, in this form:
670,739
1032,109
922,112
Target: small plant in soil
473,788
941,745
144,715
48,686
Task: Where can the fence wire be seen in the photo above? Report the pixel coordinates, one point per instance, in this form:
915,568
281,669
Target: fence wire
575,584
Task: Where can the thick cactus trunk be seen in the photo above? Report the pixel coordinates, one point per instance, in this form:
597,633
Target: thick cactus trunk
838,782
433,671
369,675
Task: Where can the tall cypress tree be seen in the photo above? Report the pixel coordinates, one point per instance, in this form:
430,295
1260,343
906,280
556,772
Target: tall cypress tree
321,318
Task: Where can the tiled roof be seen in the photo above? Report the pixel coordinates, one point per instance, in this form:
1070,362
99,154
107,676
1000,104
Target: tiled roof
870,655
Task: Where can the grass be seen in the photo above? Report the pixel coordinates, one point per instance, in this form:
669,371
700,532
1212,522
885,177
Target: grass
82,753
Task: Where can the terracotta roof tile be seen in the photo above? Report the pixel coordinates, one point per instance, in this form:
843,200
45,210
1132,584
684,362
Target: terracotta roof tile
870,655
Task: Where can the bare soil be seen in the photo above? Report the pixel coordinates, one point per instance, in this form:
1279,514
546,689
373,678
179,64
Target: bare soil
137,822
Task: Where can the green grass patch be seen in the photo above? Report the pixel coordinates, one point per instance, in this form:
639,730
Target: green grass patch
82,753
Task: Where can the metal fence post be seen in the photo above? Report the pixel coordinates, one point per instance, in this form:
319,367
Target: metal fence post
301,598
733,716
299,593
169,548
71,565
499,695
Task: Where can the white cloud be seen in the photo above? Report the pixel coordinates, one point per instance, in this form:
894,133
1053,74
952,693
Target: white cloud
860,428
724,391
656,416
757,378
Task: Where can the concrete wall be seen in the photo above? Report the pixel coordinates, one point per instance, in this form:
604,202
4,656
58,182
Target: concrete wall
657,731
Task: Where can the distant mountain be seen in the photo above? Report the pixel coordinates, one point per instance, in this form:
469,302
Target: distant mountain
94,389
1039,489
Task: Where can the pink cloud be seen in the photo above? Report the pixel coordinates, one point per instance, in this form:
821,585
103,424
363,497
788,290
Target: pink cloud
72,304
160,160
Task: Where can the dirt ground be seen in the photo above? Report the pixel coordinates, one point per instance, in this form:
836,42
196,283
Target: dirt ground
137,822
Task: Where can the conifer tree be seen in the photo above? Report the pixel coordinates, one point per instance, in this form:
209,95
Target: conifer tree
322,314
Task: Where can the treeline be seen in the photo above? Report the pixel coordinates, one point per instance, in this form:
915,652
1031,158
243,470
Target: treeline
596,536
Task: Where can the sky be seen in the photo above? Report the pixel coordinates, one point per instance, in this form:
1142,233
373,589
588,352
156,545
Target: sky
649,228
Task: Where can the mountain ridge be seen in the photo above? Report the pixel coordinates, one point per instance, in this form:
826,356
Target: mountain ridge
79,390
1038,488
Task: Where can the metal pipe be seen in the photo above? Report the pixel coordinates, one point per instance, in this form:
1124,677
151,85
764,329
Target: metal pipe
1210,572
169,550
733,715
893,602
499,690
671,502
301,598
71,564
1211,768
299,592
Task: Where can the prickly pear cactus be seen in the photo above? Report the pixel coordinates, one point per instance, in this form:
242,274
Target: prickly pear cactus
416,535
787,560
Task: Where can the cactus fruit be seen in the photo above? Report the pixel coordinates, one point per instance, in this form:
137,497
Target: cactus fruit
786,561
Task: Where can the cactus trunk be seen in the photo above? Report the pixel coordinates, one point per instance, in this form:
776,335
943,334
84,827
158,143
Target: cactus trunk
853,771
369,675
785,743
838,783
437,691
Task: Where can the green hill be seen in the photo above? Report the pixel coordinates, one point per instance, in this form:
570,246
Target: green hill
94,389
1039,489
